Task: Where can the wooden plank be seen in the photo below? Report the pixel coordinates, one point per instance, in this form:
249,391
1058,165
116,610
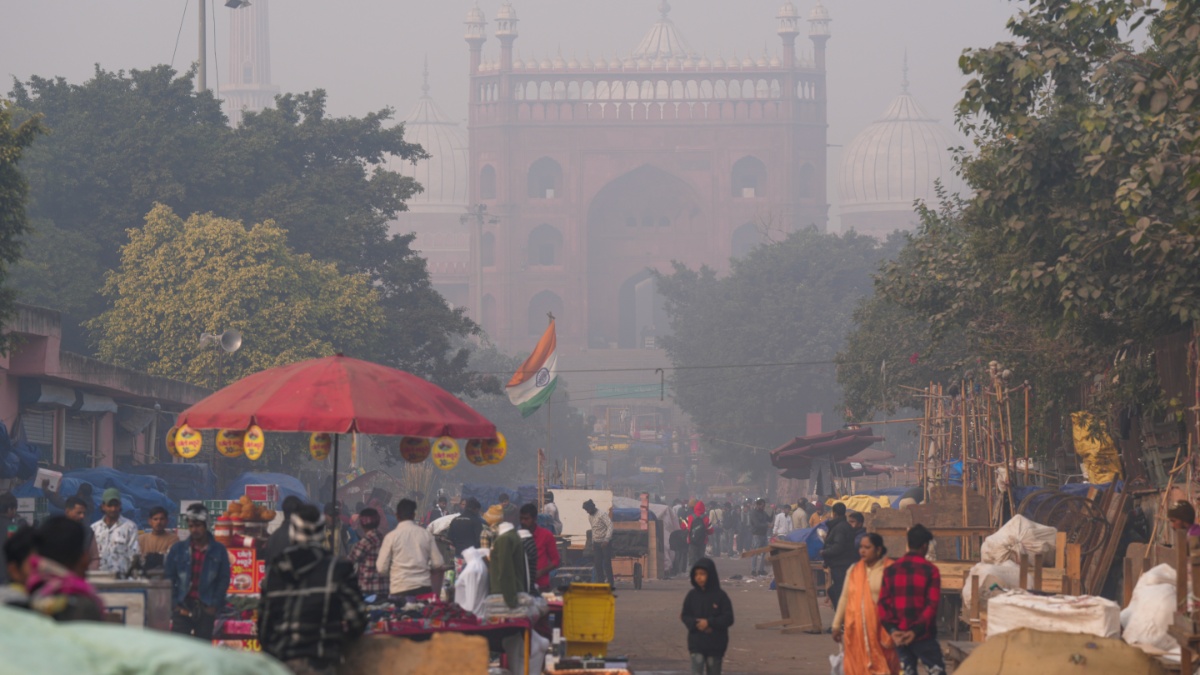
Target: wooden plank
1037,571
1060,550
1023,573
1074,571
1128,579
938,532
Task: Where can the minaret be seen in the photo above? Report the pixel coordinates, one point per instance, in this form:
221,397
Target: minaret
789,28
249,86
818,32
476,36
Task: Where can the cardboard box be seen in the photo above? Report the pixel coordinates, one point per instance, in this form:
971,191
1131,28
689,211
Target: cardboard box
263,493
245,572
52,478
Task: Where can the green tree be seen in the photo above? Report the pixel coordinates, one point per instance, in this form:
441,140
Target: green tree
206,274
788,302
123,142
14,140
1088,164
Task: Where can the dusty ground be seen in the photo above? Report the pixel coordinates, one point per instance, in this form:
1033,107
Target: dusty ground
650,633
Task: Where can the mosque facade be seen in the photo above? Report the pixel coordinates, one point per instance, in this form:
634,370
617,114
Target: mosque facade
585,175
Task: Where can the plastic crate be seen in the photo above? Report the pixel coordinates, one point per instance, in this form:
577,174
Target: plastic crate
589,618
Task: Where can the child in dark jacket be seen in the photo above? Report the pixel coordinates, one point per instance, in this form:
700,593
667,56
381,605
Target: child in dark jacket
708,614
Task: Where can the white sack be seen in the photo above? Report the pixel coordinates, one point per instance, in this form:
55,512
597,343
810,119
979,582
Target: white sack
993,579
1151,610
1084,614
1019,537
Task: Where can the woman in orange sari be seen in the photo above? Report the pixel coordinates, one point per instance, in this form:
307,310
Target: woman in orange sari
867,646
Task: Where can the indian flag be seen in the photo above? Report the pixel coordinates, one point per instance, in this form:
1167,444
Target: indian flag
534,381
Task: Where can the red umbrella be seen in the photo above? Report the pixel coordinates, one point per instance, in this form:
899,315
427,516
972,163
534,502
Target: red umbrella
339,395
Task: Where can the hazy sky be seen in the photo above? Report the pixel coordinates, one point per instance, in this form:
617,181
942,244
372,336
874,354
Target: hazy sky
367,53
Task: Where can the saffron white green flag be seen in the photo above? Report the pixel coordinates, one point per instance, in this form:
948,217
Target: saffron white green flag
535,380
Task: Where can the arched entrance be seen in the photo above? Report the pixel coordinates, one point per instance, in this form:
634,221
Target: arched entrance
639,221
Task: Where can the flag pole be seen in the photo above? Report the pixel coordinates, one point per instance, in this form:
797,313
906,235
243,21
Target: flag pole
549,400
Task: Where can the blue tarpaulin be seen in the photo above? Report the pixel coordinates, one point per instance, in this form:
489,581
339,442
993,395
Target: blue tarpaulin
809,536
184,481
490,494
139,494
17,460
288,485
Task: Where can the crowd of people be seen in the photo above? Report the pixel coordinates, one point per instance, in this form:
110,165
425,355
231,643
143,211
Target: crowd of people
315,593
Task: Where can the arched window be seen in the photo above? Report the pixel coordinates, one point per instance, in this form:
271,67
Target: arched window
487,182
545,179
546,301
806,182
749,177
545,246
487,250
745,239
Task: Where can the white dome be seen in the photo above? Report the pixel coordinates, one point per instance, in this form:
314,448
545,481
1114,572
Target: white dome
445,174
896,160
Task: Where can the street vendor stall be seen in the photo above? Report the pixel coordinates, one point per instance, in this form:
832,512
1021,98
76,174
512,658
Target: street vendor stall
330,397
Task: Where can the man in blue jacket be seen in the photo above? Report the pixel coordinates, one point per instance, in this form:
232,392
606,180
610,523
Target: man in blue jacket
199,572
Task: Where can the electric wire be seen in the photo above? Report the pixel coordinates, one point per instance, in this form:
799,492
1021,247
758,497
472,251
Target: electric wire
182,19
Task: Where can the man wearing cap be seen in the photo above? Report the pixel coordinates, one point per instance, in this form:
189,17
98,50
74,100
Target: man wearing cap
116,535
198,569
311,608
602,532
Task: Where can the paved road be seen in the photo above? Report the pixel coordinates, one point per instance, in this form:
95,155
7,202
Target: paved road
650,633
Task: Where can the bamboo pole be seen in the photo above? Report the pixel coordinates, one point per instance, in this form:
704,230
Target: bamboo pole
963,453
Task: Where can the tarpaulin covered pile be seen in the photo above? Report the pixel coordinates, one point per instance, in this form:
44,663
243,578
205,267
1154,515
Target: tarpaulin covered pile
18,459
490,494
288,485
184,481
810,536
139,494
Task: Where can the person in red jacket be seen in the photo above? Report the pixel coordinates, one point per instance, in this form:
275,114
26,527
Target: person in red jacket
698,529
547,546
908,602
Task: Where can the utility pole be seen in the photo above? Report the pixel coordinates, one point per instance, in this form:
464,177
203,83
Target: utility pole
202,76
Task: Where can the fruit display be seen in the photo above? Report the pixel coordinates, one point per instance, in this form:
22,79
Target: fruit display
246,509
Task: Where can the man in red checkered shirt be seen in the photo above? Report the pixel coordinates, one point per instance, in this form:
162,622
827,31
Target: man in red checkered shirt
365,554
908,603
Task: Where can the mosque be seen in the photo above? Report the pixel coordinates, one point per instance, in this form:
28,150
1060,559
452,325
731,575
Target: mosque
574,177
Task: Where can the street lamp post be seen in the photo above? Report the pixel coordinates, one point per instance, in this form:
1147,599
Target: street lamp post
202,74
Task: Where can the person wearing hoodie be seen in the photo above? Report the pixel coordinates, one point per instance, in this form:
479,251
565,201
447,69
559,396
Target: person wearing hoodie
311,608
708,614
698,529
839,553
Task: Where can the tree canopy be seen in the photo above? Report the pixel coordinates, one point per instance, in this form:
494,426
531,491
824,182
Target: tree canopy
180,278
1079,242
14,140
789,302
122,142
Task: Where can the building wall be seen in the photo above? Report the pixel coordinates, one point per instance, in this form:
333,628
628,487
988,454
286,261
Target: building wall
679,146
65,392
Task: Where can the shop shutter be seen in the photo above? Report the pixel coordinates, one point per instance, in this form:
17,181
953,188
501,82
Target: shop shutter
38,426
79,434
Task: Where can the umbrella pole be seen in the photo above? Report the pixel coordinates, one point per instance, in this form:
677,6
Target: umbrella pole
337,521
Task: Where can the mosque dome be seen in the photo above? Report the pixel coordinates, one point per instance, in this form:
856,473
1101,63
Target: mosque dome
892,163
444,175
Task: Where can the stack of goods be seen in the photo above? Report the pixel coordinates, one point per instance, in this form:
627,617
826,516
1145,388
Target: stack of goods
419,616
